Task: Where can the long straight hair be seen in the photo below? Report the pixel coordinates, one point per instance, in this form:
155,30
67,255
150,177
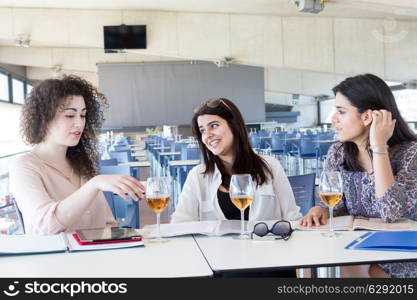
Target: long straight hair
246,160
371,92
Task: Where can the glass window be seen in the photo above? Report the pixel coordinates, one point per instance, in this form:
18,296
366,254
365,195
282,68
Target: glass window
18,91
28,89
407,104
4,87
326,110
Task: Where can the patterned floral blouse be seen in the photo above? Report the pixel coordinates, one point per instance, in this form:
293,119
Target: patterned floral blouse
399,201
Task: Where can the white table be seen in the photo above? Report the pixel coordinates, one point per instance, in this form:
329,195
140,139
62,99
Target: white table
139,145
137,164
139,154
181,163
303,250
327,141
169,153
180,257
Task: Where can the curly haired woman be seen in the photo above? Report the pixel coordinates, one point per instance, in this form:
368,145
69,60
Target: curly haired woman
56,185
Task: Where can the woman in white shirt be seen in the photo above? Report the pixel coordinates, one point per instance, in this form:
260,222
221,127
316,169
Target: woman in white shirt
223,139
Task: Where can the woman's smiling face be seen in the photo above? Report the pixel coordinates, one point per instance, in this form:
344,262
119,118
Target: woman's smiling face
216,135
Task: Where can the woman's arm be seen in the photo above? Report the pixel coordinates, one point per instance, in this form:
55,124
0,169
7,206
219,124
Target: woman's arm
50,216
69,210
395,195
395,200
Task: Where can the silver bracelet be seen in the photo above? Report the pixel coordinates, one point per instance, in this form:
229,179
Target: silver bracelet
377,152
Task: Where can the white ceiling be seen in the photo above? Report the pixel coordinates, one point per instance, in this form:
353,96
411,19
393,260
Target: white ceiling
54,42
402,9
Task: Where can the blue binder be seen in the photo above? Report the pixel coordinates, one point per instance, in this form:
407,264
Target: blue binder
386,241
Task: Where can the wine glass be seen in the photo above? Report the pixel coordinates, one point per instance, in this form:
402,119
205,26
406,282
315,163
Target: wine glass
241,193
158,192
330,192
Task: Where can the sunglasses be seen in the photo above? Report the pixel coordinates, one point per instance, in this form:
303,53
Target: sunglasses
282,229
212,103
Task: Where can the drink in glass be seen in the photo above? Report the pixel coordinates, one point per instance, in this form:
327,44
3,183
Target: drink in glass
158,191
331,192
241,194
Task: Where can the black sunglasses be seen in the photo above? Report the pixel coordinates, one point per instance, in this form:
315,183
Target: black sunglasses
281,228
212,103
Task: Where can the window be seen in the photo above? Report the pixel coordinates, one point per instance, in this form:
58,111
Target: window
326,110
18,91
407,104
29,88
4,87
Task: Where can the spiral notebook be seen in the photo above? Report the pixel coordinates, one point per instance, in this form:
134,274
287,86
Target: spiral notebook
386,241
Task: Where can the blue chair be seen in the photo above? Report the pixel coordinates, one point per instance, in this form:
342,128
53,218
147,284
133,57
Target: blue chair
12,209
255,141
303,189
278,143
119,148
122,156
125,212
108,162
190,153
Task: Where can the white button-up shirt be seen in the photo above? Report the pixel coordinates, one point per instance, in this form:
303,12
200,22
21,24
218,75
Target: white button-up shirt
274,200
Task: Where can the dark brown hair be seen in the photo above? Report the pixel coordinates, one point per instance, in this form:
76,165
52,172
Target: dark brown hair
41,106
371,92
246,160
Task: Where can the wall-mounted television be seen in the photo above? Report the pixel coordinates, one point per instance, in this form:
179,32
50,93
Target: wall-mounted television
124,37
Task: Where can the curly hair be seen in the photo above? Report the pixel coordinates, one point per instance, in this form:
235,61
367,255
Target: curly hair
41,107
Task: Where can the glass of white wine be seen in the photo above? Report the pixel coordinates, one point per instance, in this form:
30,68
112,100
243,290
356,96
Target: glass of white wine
241,193
330,192
158,192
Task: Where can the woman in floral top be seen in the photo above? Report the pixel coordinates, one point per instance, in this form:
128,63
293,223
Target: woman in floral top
377,157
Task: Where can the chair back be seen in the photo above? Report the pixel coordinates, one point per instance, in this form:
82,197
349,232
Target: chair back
308,146
12,210
122,170
323,148
303,189
118,148
177,147
190,153
255,141
19,217
122,156
108,162
125,212
278,142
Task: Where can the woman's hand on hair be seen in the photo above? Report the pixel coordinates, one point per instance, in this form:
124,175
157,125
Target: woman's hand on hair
316,216
382,127
122,185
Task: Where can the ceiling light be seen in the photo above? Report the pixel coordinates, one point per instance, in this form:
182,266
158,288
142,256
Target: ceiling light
23,40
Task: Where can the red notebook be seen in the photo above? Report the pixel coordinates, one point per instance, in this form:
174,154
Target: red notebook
80,242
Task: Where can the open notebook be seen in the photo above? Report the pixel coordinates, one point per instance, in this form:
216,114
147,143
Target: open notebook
36,244
215,228
357,223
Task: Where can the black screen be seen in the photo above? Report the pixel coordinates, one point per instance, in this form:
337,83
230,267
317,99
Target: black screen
125,37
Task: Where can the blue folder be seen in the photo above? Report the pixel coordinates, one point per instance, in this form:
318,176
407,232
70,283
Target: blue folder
386,241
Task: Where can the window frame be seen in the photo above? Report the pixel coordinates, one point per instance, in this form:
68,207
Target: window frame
10,77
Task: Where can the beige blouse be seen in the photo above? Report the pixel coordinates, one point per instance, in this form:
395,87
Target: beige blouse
38,188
